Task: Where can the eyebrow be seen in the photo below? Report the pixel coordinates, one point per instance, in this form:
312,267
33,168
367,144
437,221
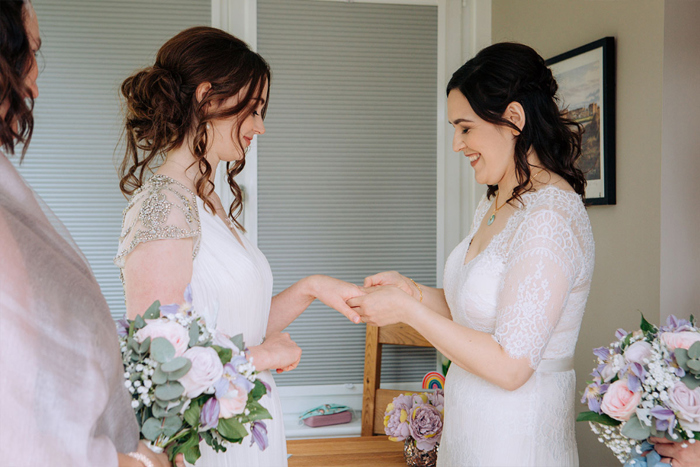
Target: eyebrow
461,120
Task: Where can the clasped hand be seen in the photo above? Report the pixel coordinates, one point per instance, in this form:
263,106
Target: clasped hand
388,299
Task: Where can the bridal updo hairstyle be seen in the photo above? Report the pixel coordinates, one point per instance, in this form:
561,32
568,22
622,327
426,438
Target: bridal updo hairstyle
509,72
15,61
162,110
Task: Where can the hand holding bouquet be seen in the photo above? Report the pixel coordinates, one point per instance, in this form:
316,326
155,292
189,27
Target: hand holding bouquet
190,382
647,383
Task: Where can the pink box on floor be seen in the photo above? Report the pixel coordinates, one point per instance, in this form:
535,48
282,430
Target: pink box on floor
330,419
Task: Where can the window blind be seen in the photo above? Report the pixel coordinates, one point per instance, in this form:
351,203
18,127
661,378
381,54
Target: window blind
89,48
347,167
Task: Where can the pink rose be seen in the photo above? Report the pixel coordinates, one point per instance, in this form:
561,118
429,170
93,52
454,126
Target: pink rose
686,404
680,340
619,402
638,352
206,370
233,402
172,331
223,340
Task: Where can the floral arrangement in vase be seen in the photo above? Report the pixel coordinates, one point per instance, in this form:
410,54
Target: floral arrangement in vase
646,383
189,382
417,420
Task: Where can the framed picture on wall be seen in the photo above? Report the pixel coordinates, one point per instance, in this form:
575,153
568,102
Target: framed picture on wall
586,78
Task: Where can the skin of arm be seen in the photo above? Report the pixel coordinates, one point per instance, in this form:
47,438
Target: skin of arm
291,302
165,279
475,351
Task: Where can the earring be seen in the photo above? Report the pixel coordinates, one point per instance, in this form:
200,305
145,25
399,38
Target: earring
208,126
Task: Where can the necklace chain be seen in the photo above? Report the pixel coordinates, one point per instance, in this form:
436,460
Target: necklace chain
495,203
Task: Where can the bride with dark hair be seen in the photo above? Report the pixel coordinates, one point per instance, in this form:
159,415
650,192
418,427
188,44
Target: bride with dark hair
515,289
62,394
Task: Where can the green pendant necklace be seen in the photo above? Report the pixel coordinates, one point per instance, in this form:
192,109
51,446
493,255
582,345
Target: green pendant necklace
495,209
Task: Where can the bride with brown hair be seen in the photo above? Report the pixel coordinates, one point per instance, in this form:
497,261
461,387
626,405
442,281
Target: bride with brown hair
201,104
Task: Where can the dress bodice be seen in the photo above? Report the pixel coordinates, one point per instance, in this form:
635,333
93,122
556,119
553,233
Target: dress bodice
231,287
529,286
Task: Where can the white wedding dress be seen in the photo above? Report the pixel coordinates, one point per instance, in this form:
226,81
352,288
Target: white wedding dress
231,286
528,289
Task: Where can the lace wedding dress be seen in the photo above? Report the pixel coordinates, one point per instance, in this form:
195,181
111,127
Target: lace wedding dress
528,289
231,286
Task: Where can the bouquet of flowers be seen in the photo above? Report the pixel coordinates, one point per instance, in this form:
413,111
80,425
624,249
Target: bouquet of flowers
647,383
416,419
190,382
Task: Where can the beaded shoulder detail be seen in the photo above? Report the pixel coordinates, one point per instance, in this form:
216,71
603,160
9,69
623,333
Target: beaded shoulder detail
162,208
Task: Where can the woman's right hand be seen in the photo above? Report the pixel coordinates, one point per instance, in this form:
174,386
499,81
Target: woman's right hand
278,352
393,278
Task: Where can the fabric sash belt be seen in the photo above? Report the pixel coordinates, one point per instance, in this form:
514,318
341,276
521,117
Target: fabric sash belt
555,365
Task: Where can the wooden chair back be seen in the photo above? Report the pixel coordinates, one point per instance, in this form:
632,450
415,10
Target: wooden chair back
375,400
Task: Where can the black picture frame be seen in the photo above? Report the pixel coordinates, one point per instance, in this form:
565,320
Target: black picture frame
586,78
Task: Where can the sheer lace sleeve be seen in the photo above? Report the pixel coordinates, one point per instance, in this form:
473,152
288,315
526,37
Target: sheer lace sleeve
541,270
161,209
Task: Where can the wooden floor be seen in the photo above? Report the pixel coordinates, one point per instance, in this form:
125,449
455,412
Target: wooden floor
368,451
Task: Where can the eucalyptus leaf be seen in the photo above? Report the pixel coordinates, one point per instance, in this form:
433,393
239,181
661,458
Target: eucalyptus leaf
171,425
162,350
194,334
601,418
691,381
162,412
694,365
635,429
231,430
161,403
151,429
177,374
192,413
139,322
144,345
681,358
238,341
153,311
159,377
694,350
175,364
133,344
169,391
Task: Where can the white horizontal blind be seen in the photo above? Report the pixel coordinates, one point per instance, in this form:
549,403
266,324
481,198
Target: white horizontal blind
347,168
89,48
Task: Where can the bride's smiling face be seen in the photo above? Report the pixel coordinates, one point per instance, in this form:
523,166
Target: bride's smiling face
490,148
224,132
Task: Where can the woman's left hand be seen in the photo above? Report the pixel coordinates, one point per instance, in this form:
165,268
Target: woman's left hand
675,454
383,305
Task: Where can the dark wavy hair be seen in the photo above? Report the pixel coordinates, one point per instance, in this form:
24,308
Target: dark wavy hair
162,110
15,59
509,72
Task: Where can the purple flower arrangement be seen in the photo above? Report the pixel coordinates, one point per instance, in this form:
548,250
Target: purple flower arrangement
189,382
646,383
416,417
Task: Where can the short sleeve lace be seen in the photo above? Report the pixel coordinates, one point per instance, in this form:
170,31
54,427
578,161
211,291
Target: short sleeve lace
161,209
544,265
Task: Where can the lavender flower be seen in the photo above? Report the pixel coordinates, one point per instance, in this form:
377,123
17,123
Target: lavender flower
592,395
674,324
169,310
123,327
425,426
209,416
620,334
258,431
665,418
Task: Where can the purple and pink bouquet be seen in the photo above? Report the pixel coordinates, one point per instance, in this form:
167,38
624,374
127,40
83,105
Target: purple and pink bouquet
190,382
416,417
647,383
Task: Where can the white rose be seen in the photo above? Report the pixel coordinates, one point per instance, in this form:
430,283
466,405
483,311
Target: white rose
173,332
222,340
206,370
637,352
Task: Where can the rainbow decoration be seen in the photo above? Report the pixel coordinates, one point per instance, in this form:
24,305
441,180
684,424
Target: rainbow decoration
433,380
